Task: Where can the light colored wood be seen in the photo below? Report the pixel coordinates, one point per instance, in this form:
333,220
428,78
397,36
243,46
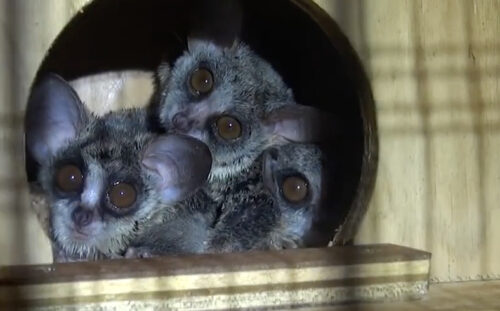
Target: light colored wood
142,285
435,71
476,295
28,28
109,91
228,281
435,68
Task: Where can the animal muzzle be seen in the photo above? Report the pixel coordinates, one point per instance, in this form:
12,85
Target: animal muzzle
82,217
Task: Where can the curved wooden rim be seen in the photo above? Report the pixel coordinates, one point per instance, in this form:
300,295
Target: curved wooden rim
354,69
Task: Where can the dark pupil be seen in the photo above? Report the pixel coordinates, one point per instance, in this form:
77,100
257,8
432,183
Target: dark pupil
228,127
295,189
201,81
122,195
69,178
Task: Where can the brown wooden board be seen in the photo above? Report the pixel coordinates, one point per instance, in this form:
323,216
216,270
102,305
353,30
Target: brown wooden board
470,296
207,263
217,281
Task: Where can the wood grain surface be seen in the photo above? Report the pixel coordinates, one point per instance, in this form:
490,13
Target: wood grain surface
253,279
434,67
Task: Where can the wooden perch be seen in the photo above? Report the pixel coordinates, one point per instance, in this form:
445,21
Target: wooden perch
289,278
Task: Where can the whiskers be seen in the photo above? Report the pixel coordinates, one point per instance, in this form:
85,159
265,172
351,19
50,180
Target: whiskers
76,249
106,246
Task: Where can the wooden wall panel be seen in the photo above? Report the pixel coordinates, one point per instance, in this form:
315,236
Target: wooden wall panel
27,30
435,68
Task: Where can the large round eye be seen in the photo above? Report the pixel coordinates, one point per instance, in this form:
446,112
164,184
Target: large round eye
122,195
69,178
202,81
228,128
294,189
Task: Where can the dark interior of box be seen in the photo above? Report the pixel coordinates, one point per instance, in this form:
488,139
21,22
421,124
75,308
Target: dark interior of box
132,34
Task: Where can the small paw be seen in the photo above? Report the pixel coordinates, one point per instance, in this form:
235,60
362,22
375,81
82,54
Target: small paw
138,252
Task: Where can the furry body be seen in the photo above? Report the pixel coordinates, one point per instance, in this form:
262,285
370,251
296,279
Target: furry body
253,214
245,87
119,148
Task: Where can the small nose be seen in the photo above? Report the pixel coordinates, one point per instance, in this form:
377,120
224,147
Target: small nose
181,122
81,216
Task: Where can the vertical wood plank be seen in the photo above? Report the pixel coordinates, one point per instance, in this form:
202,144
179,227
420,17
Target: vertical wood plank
435,69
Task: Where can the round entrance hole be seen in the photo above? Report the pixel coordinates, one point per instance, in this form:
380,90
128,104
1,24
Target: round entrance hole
297,37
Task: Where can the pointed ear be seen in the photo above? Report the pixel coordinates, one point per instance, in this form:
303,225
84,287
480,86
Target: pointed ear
298,123
54,115
218,21
179,165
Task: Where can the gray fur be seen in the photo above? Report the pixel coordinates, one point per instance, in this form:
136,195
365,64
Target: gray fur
106,146
245,87
107,149
187,233
254,214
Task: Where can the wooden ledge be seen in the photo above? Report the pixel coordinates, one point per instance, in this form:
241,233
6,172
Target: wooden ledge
305,277
469,295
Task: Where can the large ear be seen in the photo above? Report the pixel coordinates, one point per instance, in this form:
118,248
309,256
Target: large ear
54,115
298,123
180,164
218,21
